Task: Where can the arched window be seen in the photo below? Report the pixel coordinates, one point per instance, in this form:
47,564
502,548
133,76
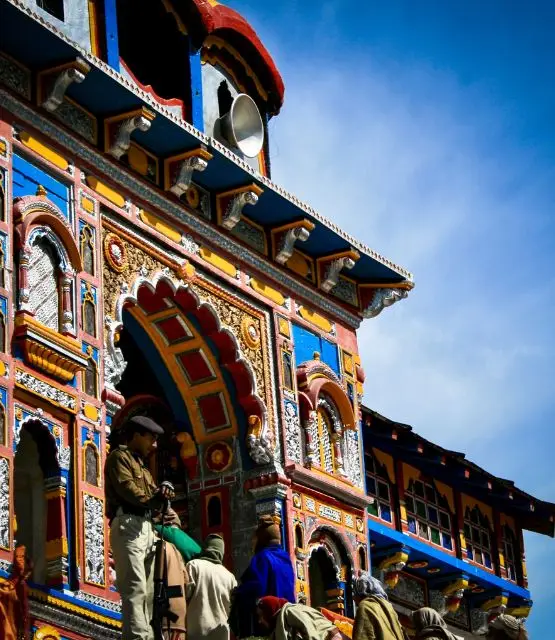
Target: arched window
44,299
510,549
86,246
90,378
378,486
92,465
214,512
477,533
428,514
88,312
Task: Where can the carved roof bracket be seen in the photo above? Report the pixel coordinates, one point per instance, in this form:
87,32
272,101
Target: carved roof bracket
179,169
64,78
333,265
122,127
383,297
285,238
235,201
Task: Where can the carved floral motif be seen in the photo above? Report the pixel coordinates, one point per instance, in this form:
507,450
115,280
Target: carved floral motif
293,444
4,503
94,540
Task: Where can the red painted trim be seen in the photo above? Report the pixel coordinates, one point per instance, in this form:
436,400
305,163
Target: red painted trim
220,17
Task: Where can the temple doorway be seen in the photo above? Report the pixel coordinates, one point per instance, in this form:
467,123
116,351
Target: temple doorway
330,573
35,462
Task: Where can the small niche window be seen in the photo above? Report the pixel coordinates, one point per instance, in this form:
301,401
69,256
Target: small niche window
90,378
2,333
86,242
510,546
53,7
2,199
214,512
324,441
44,300
478,538
378,486
91,464
427,514
2,266
287,364
299,538
3,439
362,558
88,312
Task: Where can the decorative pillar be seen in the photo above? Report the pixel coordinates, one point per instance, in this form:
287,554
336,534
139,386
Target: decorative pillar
453,592
459,515
500,565
310,430
57,551
392,563
23,298
336,440
67,308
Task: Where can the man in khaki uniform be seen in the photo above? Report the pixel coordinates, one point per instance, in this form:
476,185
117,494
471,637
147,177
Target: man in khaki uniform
132,499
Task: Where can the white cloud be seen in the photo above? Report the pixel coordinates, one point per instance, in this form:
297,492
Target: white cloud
426,172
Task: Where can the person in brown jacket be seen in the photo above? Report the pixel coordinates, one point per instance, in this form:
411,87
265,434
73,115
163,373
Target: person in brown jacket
375,618
132,499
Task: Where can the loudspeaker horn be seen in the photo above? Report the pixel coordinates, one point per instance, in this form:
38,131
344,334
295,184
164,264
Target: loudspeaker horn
242,126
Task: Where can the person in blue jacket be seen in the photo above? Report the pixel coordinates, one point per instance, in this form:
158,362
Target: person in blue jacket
270,573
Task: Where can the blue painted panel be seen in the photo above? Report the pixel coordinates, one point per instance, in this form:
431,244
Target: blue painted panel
3,396
4,305
85,347
330,355
84,291
307,342
85,436
197,116
112,43
27,177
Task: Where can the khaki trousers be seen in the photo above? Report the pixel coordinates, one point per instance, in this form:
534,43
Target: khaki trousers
133,547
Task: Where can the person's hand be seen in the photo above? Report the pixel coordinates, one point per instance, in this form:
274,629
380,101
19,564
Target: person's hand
167,490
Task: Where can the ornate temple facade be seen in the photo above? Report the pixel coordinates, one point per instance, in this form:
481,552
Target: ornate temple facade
149,265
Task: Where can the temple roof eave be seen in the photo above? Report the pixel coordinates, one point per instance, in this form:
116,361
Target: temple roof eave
105,91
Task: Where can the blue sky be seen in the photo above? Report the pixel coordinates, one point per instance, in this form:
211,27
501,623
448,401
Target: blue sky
427,130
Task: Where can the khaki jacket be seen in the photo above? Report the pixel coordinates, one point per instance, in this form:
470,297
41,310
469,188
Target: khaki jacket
128,482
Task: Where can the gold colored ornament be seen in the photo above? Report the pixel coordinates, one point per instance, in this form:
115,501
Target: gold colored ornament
193,197
250,332
115,253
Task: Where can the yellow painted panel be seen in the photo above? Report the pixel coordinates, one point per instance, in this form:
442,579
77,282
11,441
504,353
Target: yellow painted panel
87,204
43,150
3,147
218,262
316,319
90,412
299,264
268,292
2,368
162,227
104,190
138,160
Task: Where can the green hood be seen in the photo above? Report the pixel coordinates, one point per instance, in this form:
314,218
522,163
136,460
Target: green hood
214,549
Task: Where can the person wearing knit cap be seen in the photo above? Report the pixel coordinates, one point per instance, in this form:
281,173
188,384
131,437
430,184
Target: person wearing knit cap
270,573
209,592
283,620
506,627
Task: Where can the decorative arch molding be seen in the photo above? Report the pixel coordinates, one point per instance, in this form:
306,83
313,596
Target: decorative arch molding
188,300
335,546
37,211
315,379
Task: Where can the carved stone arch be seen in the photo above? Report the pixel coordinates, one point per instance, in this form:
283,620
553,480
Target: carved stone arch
188,300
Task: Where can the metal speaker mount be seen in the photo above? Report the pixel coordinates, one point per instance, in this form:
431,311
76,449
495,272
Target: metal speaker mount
242,126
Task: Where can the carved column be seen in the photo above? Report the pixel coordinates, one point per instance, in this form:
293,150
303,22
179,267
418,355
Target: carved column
24,257
309,429
67,308
336,437
56,532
